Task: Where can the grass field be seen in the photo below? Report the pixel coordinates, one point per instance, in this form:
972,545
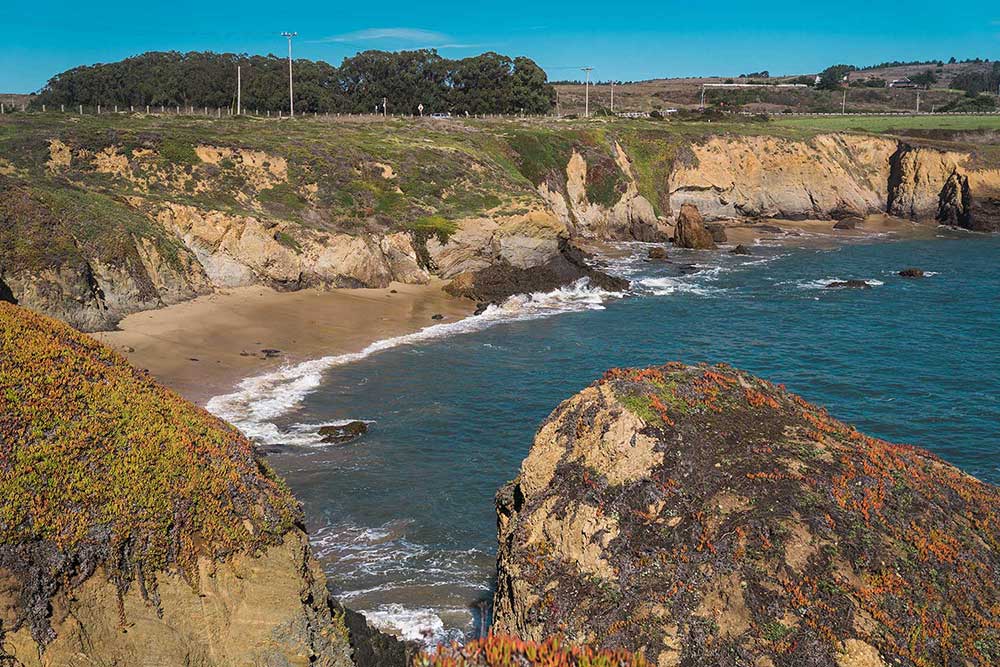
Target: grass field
890,123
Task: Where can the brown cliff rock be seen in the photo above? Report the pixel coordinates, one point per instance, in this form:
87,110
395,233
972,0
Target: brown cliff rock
690,231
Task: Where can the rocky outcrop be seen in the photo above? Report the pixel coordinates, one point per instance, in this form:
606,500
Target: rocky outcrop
702,516
498,282
626,215
93,280
690,231
138,529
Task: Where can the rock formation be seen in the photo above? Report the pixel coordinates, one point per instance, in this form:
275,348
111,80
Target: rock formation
138,529
701,516
690,231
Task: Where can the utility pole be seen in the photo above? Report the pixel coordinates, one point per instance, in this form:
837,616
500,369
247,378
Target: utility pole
843,106
384,103
291,95
612,98
586,88
703,96
918,101
239,89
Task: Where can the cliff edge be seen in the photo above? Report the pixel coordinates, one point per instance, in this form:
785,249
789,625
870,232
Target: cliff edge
701,516
138,529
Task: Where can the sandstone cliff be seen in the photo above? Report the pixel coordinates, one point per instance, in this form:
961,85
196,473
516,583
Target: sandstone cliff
701,516
138,529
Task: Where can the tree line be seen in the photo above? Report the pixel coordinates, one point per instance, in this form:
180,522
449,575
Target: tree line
487,83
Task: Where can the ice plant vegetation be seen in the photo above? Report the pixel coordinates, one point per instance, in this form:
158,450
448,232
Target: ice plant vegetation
502,651
103,472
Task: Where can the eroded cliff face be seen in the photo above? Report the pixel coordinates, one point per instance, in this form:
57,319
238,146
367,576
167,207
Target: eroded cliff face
830,176
138,529
701,516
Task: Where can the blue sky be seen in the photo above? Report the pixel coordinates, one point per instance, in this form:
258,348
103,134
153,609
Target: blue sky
631,40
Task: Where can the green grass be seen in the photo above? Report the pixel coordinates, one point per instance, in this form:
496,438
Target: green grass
888,124
433,225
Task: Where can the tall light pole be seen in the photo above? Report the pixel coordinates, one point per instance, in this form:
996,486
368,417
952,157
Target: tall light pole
291,94
586,88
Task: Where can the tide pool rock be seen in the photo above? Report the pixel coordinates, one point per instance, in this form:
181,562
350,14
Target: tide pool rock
701,516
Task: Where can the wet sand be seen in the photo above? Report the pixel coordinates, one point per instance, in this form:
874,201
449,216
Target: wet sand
204,347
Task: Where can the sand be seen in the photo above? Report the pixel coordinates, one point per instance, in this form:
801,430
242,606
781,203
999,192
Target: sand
204,347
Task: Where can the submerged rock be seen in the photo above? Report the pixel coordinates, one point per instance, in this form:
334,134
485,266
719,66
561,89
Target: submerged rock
343,433
659,252
850,284
912,273
740,250
847,223
690,231
702,516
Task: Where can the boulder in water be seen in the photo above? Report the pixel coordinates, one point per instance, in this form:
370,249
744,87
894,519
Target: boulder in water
690,231
912,273
849,284
740,250
343,433
659,252
847,223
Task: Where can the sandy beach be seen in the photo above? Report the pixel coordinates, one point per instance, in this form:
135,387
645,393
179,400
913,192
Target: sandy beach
204,347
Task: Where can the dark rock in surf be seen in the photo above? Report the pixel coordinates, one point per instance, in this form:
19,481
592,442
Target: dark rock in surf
740,250
849,284
497,282
343,433
912,273
658,252
437,316
270,353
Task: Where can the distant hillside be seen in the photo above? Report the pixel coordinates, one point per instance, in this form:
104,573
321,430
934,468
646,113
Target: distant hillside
487,83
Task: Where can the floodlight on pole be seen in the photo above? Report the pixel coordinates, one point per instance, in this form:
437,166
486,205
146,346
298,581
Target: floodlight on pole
291,95
586,88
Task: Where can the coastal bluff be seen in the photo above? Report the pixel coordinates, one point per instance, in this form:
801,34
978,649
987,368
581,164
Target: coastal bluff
137,529
101,217
698,515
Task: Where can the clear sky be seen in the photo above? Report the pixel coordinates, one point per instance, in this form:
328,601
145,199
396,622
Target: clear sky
638,39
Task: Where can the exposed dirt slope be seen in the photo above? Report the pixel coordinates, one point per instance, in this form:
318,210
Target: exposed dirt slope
702,516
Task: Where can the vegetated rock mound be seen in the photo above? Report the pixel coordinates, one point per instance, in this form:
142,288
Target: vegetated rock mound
137,528
702,516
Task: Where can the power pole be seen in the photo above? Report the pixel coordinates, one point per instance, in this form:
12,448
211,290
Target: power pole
384,103
239,90
586,88
918,101
703,96
843,106
291,94
612,98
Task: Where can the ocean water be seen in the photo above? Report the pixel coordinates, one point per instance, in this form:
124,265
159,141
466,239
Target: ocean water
403,519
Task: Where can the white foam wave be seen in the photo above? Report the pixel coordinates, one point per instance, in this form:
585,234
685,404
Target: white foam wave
259,400
674,285
420,624
823,283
